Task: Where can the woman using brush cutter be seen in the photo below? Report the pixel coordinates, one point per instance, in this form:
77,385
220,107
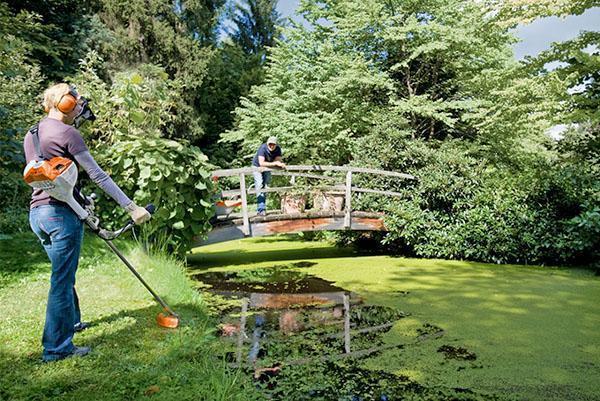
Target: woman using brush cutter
55,223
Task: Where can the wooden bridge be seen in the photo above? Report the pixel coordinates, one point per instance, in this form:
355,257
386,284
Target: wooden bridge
332,203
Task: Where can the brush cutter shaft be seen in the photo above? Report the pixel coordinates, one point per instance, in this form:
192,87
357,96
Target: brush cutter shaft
107,236
136,274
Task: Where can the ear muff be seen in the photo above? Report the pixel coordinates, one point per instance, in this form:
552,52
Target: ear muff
67,102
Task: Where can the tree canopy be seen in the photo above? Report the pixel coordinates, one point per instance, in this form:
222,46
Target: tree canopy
428,87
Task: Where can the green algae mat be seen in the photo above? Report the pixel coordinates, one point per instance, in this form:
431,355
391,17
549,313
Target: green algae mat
507,331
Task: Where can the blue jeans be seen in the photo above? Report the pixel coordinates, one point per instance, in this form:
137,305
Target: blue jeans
61,233
261,180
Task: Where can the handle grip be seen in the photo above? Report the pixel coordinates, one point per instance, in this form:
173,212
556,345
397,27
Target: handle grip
150,208
109,235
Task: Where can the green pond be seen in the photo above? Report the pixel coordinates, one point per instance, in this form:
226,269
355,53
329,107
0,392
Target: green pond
312,321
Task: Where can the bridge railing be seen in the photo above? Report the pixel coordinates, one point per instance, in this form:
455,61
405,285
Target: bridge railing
305,171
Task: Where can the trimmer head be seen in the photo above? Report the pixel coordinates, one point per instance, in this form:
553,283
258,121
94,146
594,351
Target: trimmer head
167,320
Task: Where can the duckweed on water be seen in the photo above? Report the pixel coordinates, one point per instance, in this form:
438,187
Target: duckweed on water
309,350
523,332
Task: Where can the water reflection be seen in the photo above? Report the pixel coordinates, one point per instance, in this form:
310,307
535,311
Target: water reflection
302,337
287,316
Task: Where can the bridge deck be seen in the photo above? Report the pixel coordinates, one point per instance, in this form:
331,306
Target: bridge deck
231,228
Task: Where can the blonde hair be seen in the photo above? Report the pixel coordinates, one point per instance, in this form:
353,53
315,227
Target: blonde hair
53,94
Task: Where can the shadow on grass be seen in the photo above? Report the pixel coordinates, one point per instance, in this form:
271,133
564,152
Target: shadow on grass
277,239
131,358
23,255
241,256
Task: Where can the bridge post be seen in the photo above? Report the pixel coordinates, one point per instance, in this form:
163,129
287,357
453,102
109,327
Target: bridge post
246,221
348,211
346,323
242,332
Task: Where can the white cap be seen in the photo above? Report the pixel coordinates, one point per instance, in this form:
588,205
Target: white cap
272,139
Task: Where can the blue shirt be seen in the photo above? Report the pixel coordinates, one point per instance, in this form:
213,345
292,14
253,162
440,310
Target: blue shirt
264,151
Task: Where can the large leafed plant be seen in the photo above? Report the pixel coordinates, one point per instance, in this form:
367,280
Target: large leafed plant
131,141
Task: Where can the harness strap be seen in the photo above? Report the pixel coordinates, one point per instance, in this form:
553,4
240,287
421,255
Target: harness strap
36,141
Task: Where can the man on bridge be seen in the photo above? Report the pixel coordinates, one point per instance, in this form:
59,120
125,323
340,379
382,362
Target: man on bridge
268,155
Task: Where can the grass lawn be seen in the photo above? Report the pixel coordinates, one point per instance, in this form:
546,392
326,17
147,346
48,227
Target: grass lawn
132,357
534,331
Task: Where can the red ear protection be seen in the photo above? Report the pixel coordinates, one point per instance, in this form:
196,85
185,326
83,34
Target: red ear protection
67,102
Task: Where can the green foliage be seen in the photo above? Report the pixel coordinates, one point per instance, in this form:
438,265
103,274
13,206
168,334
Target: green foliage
165,32
175,35
230,76
18,111
18,76
14,197
130,141
413,63
238,66
577,65
511,13
175,177
314,99
582,234
141,102
516,111
61,37
256,26
463,208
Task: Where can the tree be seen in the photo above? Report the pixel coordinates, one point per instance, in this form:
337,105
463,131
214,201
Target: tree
230,76
314,99
20,82
256,27
417,63
513,12
58,42
239,65
178,35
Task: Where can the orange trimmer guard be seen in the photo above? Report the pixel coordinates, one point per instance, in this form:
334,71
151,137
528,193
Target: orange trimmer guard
167,320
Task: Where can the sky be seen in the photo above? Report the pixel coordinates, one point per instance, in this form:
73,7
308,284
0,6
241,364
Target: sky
535,37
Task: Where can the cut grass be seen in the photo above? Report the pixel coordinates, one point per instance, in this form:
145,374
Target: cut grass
534,330
132,357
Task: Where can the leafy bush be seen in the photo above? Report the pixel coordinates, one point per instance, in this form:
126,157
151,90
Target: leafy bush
19,79
582,235
175,177
139,102
14,197
128,139
464,208
447,180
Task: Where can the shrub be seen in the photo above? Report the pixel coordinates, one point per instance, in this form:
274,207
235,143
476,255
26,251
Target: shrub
135,114
20,81
175,177
464,208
